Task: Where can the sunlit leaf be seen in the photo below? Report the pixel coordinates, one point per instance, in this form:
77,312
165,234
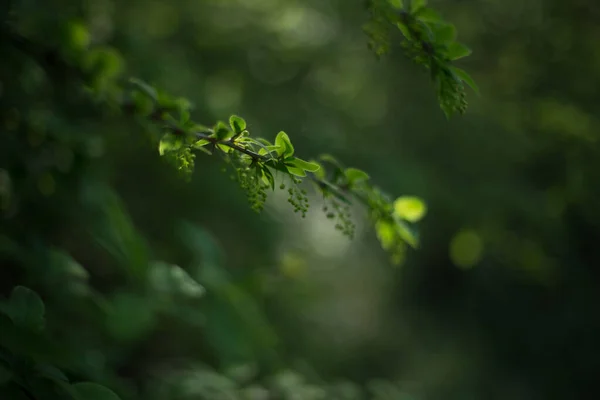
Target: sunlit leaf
295,171
285,145
238,124
410,208
406,233
169,142
305,165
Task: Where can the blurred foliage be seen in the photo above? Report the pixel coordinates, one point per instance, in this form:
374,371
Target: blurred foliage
120,279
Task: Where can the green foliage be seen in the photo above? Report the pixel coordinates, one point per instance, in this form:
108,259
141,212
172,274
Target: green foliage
428,41
70,81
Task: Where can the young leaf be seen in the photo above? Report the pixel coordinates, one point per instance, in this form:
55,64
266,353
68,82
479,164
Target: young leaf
238,124
169,142
416,5
222,132
355,175
386,234
267,177
445,33
295,171
93,391
405,31
457,50
409,208
427,14
406,233
305,165
200,143
397,4
26,308
283,141
466,78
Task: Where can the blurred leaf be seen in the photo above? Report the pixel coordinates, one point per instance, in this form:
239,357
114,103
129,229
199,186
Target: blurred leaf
355,175
172,279
456,51
466,249
405,31
94,391
466,78
427,14
410,208
169,142
144,88
26,308
51,372
129,316
416,5
445,33
397,4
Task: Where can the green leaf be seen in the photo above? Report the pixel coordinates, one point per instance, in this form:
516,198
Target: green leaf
409,208
295,171
466,78
305,165
427,14
445,33
94,391
320,173
283,141
355,175
267,177
269,149
397,4
172,279
406,234
144,88
416,5
222,131
457,50
51,372
386,234
405,31
168,143
200,143
238,124
26,308
129,316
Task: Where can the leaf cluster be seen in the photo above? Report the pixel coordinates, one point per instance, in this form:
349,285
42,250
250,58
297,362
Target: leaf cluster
428,40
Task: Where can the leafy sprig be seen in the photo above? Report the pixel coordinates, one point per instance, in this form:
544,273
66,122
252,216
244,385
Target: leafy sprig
428,40
257,162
